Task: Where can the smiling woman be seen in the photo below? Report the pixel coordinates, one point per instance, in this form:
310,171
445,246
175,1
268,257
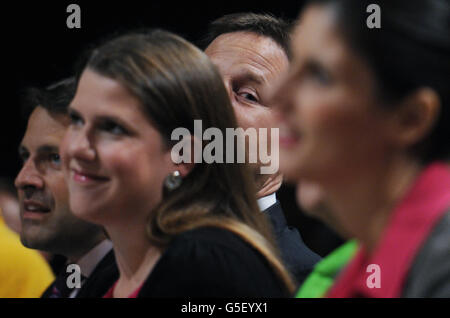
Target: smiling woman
203,235
366,115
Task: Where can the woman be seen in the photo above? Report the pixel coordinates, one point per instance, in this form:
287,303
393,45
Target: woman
178,229
365,115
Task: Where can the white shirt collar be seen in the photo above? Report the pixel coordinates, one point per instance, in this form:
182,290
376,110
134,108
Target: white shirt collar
266,202
91,259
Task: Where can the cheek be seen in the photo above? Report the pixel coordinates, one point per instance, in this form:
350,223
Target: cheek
343,136
135,166
64,147
334,118
254,117
58,188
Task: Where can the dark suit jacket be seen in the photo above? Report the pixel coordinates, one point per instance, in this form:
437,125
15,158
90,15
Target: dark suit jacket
297,257
104,275
429,275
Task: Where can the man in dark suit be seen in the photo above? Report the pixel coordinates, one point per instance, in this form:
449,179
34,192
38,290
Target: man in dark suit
251,51
47,222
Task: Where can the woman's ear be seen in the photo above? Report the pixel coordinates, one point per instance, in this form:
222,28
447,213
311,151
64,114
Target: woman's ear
185,154
415,117
185,168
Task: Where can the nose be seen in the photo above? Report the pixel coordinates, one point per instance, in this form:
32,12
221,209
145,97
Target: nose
78,145
29,176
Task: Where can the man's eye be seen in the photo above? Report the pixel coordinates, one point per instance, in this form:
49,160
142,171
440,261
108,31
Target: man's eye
23,159
75,120
250,96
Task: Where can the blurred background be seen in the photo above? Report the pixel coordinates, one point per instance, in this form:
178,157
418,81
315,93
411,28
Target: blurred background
39,49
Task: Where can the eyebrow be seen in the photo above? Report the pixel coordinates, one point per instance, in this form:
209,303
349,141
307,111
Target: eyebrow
42,149
248,76
47,149
103,118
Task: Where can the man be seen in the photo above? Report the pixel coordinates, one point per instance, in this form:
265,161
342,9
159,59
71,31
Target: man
23,272
251,52
47,222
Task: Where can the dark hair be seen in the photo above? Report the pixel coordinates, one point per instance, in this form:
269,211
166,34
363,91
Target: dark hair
266,25
411,50
55,98
176,83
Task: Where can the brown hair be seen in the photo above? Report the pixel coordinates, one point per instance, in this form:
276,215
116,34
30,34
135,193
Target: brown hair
177,84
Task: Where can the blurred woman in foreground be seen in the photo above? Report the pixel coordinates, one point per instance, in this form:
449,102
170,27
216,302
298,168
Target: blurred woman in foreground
365,115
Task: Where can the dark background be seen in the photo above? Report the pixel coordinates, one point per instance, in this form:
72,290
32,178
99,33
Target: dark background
39,49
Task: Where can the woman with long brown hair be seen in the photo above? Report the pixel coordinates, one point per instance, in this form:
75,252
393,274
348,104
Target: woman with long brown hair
178,229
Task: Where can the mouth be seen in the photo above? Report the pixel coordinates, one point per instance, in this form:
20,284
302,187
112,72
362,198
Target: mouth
34,209
288,136
84,177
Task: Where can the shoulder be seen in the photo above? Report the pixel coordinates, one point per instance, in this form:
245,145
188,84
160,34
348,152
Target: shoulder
213,237
101,279
298,257
211,262
429,275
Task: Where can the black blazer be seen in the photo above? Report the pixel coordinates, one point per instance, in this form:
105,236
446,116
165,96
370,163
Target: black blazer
297,257
212,262
98,283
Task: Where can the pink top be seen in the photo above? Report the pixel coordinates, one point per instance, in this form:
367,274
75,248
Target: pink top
110,292
409,226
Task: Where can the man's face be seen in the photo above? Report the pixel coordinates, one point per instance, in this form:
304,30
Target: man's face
250,64
47,223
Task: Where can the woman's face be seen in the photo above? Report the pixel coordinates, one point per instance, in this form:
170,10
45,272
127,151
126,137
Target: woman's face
114,159
331,127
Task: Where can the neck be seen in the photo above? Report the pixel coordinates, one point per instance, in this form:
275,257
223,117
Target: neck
75,255
268,184
135,256
364,204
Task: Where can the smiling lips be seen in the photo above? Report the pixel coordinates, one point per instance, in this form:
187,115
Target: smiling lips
288,137
82,177
34,209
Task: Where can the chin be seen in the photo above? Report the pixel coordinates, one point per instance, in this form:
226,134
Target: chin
81,209
290,170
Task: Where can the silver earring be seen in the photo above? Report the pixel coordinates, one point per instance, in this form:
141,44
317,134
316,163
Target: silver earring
173,181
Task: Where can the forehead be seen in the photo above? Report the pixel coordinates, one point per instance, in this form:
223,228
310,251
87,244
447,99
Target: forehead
316,34
235,51
44,129
100,95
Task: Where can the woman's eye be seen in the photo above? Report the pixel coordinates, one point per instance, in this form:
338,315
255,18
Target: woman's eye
323,77
55,159
320,75
113,128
